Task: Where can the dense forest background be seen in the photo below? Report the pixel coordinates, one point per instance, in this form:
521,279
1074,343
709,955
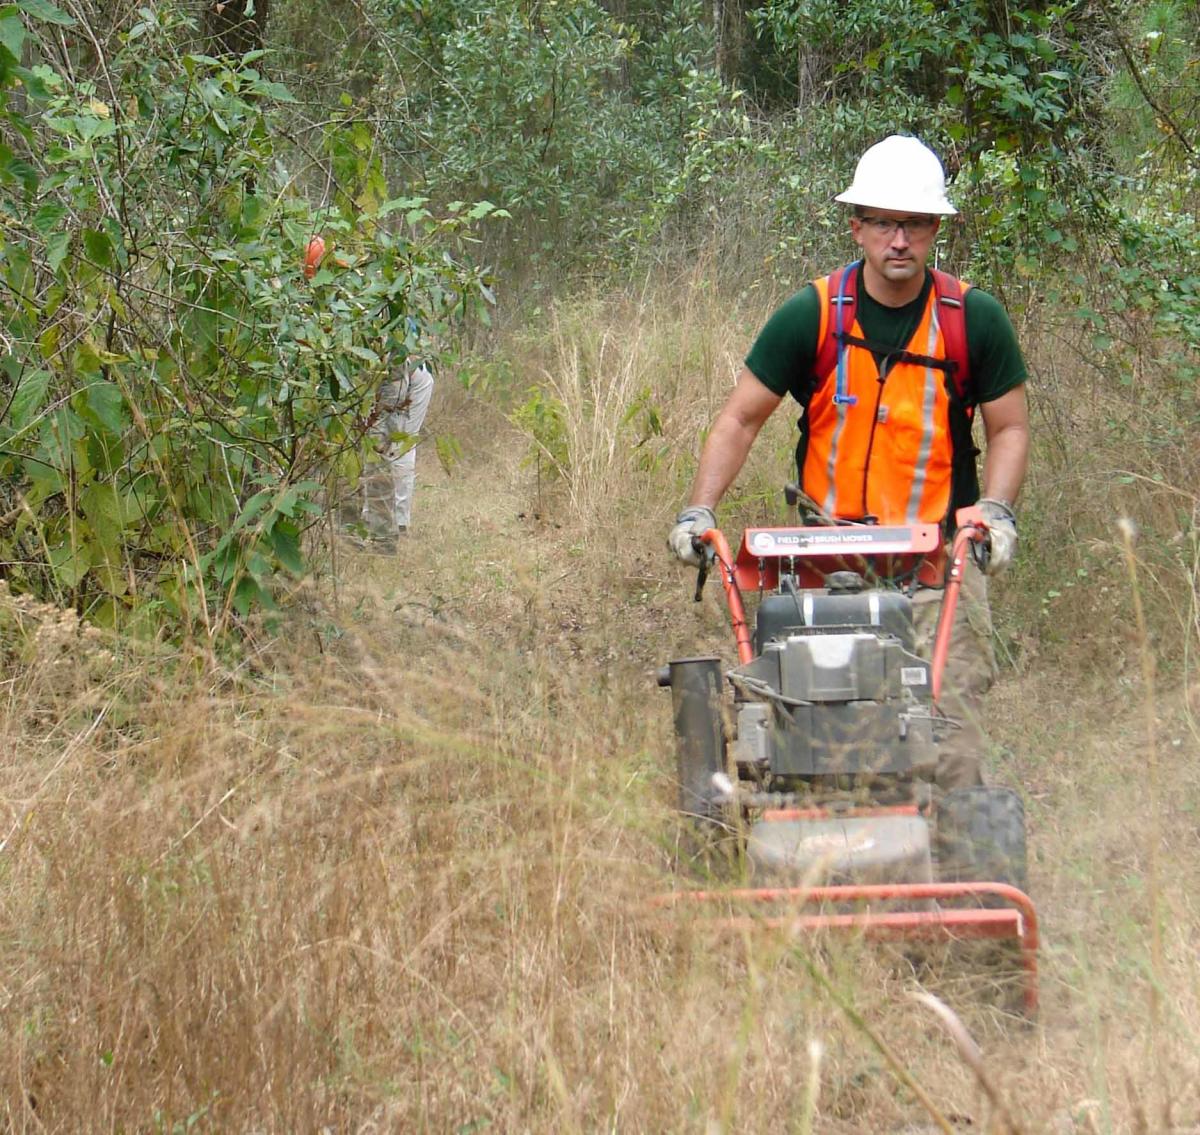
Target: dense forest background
180,404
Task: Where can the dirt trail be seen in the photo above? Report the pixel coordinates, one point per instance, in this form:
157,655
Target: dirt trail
568,629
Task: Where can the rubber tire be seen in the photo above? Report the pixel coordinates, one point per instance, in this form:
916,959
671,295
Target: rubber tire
979,835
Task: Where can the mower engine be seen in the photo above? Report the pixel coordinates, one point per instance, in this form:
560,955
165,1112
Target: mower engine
834,721
836,689
837,705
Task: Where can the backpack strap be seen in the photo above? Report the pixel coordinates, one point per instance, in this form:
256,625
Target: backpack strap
951,299
843,310
964,475
843,304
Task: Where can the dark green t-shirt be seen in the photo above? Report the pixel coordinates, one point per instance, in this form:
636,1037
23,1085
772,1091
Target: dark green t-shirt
782,356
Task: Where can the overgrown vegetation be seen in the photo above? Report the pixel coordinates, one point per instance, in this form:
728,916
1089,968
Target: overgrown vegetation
380,865
178,395
401,882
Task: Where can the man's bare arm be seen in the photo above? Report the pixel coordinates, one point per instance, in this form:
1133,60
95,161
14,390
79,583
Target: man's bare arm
1006,429
729,441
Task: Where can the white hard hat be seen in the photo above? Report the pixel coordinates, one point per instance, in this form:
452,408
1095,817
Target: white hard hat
900,174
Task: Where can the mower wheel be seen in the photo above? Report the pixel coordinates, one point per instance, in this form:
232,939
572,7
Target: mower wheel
980,837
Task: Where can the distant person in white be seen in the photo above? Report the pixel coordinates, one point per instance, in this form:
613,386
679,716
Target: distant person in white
389,480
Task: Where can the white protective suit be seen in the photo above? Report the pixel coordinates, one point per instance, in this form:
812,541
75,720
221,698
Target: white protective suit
387,484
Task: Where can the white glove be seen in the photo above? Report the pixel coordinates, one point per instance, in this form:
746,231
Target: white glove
689,524
995,553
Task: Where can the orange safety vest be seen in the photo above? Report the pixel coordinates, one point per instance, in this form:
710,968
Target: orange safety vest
885,441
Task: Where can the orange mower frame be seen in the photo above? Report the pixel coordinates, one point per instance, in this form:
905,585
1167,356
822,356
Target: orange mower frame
809,553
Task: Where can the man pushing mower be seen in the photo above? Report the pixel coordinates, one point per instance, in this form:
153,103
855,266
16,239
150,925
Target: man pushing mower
861,675
889,361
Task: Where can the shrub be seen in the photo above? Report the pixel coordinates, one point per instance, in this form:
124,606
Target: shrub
176,393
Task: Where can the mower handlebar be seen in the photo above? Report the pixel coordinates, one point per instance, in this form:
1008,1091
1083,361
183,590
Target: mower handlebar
972,529
714,548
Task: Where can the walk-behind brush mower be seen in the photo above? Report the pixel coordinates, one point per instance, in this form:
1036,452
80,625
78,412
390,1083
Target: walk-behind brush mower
821,782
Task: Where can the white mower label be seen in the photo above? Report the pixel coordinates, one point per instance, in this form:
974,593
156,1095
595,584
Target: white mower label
912,676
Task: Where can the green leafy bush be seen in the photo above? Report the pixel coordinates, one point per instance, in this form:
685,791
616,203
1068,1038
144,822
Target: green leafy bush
176,395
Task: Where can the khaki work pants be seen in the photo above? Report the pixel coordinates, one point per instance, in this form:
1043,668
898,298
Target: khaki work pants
970,672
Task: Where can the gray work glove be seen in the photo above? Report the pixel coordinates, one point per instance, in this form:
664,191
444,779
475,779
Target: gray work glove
689,524
995,553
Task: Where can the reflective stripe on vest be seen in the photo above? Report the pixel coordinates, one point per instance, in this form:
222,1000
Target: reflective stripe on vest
905,461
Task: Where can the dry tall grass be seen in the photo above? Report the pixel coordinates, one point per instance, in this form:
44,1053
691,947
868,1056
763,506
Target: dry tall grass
385,872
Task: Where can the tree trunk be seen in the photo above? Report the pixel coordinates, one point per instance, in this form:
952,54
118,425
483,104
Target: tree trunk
233,27
718,19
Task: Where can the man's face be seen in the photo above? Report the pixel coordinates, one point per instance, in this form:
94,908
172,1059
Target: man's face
899,255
